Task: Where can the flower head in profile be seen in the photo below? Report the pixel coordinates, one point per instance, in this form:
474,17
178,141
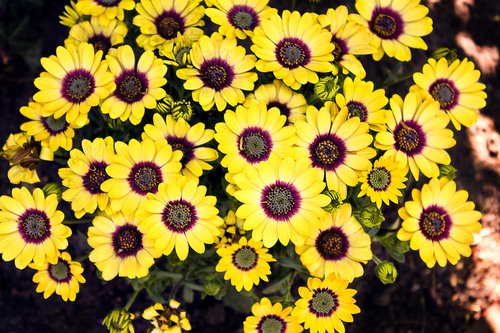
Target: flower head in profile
350,39
291,104
138,85
120,247
239,18
181,216
455,86
138,168
187,139
439,222
325,304
105,10
245,263
335,146
339,246
396,26
76,79
167,318
221,71
293,47
70,15
268,317
31,228
23,154
161,21
85,173
62,277
417,136
281,200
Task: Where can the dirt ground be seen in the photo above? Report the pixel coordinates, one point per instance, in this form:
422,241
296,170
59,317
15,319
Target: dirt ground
463,298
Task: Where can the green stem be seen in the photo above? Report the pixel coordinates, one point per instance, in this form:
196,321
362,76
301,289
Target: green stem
376,260
132,298
69,222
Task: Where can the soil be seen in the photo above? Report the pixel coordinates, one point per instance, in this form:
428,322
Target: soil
461,298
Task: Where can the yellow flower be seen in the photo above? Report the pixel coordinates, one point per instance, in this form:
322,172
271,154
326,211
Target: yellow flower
291,104
417,135
222,69
455,86
63,277
337,147
325,304
31,228
75,80
187,139
86,173
230,229
120,246
383,182
181,216
396,26
360,100
101,37
161,21
138,168
281,200
238,19
338,246
71,15
268,317
167,318
245,263
138,85
23,155
439,222
105,10
294,47
350,39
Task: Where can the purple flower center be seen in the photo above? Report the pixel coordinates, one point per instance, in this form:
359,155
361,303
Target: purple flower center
327,151
323,302
131,86
77,85
340,48
255,144
386,23
60,272
245,258
127,240
100,42
435,223
169,23
445,92
145,177
243,17
179,216
284,109
357,109
291,53
332,244
216,73
409,137
54,126
34,226
271,323
96,175
184,145
108,3
280,201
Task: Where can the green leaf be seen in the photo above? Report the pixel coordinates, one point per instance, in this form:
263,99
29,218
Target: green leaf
394,246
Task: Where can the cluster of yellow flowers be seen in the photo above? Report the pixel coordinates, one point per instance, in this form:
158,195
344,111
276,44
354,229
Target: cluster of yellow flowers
246,140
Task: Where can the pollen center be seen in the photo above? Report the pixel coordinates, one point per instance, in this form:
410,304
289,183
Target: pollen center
96,175
145,177
54,126
433,224
340,48
245,258
216,75
254,145
271,324
127,240
323,302
77,86
34,226
326,152
445,93
100,42
130,88
291,54
243,17
60,272
385,24
357,109
280,201
379,179
332,244
408,139
178,216
169,24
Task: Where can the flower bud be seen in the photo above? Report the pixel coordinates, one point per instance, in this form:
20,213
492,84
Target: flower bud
212,286
447,171
327,87
119,321
444,52
53,188
182,109
335,202
370,216
386,272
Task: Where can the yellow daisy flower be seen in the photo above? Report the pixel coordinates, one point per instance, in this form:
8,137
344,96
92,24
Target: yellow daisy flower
86,173
138,85
291,104
237,18
339,245
455,86
230,230
350,39
268,317
360,100
181,216
120,246
294,47
75,80
167,318
187,139
325,305
101,37
383,182
245,263
22,153
249,136
31,228
138,168
337,147
161,21
50,132
63,277
439,222
396,26
417,135
70,16
105,10
222,69
281,200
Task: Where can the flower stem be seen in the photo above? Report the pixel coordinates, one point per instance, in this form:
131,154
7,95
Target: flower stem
376,260
132,298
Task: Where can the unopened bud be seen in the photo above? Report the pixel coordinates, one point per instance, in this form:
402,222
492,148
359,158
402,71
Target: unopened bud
447,171
370,216
386,272
444,52
335,200
53,188
327,87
